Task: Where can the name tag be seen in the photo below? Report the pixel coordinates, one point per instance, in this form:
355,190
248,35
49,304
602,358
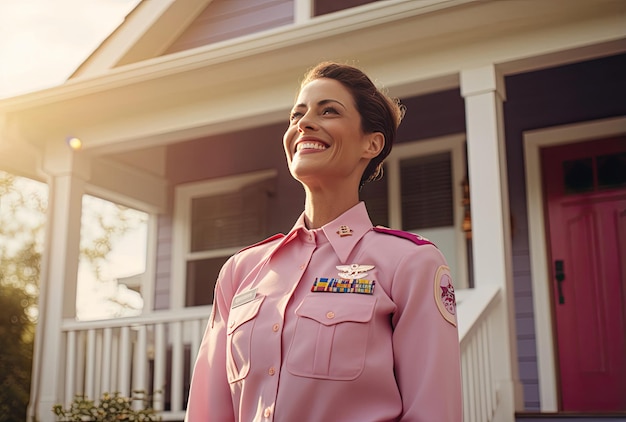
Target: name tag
243,298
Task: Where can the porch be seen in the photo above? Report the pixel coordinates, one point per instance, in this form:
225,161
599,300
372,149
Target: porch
155,353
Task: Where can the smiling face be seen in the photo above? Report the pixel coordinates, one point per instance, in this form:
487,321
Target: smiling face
325,140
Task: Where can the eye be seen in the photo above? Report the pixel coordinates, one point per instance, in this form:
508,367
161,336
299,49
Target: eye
329,110
295,116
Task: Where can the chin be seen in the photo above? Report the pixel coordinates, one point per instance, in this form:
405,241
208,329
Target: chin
304,176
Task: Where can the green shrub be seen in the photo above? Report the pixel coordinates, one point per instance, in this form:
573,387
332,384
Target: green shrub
112,407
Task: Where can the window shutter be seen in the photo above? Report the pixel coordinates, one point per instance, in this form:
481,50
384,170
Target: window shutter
231,219
375,196
426,184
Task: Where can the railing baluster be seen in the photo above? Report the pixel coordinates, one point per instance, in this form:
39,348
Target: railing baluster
70,366
97,381
176,334
80,361
106,360
123,385
160,353
115,355
488,387
466,389
91,363
492,385
473,393
481,366
140,357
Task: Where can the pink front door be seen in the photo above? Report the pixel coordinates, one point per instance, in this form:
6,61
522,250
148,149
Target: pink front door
585,196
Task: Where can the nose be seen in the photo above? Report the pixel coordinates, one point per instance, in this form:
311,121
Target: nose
306,122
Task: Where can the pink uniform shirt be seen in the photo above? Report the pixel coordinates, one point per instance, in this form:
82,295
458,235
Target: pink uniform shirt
274,350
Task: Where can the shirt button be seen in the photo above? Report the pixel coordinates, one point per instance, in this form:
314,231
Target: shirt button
271,371
275,327
302,267
267,412
330,314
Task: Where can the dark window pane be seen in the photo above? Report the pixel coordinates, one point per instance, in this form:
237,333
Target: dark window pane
611,170
231,219
426,184
322,7
578,176
201,277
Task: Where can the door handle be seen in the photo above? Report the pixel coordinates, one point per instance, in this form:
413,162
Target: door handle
560,277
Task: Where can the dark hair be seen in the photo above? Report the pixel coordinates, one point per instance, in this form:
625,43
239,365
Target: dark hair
379,112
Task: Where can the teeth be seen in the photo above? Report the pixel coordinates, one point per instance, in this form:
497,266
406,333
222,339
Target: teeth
310,145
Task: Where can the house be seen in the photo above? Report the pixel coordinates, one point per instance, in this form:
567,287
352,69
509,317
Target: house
511,157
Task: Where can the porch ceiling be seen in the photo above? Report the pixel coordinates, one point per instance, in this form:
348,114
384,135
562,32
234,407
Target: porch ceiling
414,46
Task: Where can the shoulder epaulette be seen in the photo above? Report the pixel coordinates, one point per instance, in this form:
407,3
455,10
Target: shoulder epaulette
415,238
268,240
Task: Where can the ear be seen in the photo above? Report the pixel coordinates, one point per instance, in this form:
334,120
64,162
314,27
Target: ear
375,143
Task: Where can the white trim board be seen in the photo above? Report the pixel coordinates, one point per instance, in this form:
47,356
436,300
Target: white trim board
533,142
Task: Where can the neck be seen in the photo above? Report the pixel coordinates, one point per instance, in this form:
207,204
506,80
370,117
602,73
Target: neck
324,205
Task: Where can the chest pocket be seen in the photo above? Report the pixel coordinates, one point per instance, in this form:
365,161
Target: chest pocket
239,338
331,336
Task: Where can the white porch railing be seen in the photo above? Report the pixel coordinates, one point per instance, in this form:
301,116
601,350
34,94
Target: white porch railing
478,310
157,351
154,352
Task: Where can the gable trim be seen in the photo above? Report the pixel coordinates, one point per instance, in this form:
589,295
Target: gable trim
147,31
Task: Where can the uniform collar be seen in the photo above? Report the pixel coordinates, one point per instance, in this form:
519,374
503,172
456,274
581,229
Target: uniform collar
344,232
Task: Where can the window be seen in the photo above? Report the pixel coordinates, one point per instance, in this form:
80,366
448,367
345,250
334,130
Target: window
213,220
426,185
422,193
113,275
596,173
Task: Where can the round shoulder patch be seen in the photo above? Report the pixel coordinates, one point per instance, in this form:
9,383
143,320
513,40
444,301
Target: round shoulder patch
444,294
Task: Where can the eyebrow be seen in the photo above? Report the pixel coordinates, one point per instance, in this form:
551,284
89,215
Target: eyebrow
322,103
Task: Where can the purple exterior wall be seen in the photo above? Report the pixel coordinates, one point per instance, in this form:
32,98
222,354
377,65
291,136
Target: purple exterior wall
163,263
558,96
432,115
227,19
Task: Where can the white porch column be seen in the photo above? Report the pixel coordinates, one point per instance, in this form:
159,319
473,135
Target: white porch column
68,172
484,93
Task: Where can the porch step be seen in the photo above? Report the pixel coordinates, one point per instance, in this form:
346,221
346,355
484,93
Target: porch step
570,416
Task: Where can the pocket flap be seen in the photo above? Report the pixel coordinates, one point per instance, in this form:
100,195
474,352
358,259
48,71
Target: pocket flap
243,313
333,308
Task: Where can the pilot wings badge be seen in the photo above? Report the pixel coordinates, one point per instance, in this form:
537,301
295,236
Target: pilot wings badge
353,271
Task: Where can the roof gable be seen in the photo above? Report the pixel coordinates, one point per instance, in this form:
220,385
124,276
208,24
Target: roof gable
147,32
157,28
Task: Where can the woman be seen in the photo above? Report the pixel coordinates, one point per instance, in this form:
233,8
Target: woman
337,320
